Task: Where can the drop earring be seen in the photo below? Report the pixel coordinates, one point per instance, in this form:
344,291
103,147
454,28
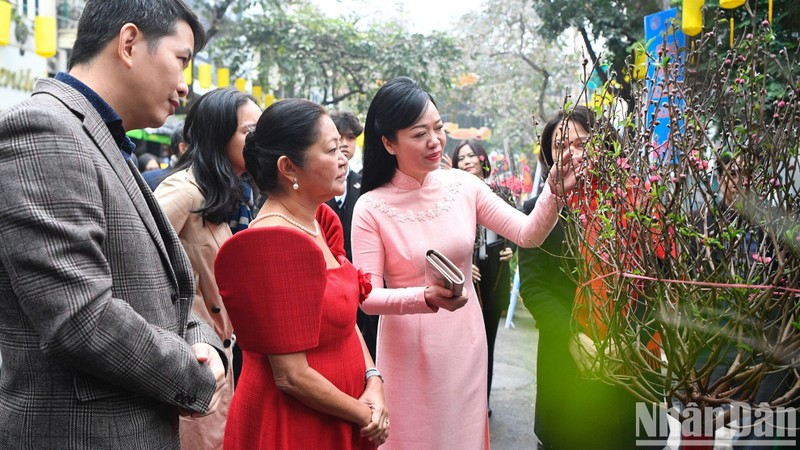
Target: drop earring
295,186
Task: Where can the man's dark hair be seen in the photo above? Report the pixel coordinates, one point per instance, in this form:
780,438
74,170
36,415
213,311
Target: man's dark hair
102,19
347,122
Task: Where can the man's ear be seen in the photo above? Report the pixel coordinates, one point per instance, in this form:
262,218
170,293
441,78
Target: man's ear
130,40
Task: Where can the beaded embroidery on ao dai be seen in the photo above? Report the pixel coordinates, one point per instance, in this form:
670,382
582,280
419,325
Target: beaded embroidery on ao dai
434,362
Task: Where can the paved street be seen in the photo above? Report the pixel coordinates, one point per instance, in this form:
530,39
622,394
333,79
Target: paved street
513,387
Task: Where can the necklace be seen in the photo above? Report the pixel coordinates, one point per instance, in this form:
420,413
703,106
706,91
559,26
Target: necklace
312,233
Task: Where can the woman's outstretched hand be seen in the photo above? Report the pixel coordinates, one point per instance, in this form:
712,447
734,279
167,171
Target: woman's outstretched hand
564,174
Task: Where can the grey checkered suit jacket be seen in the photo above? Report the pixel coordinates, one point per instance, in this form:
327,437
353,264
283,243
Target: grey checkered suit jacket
95,290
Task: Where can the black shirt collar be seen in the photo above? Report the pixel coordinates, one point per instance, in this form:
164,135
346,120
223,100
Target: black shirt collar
112,120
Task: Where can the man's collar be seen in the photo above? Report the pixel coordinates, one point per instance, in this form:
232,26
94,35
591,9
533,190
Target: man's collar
110,117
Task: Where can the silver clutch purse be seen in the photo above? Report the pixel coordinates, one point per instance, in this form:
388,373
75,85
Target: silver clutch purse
441,271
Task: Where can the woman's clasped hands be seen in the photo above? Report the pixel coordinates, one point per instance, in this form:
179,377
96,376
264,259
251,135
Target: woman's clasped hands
377,430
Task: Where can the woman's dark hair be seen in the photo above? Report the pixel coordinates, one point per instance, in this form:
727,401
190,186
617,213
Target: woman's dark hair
102,20
480,152
581,115
287,128
144,160
210,124
397,105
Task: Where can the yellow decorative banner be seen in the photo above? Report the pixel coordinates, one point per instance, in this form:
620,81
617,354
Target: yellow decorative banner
44,32
258,94
188,75
730,4
5,23
223,77
692,23
241,84
268,100
639,64
204,75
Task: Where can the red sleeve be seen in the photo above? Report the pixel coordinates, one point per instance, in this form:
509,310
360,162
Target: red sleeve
272,281
331,227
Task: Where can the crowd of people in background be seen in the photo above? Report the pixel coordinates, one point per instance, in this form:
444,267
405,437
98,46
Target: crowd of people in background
256,291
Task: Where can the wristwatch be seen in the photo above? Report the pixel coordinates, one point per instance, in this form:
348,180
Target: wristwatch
373,372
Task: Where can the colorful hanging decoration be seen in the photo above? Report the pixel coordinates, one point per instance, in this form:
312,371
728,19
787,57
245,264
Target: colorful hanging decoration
730,4
241,84
770,11
188,75
5,23
639,63
268,100
258,94
204,75
731,21
223,77
44,32
692,22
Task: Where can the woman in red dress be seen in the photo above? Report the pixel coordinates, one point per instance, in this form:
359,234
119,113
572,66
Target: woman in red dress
307,379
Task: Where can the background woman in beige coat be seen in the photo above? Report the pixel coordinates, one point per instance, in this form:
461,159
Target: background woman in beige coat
206,201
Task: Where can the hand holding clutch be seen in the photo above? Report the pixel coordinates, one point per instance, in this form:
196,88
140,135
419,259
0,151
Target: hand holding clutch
440,271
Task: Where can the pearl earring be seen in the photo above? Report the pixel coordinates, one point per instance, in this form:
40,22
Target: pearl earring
295,186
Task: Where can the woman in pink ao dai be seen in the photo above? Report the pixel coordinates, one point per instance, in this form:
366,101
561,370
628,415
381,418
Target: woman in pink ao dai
431,346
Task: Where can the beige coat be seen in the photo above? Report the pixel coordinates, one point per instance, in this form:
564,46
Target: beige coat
178,195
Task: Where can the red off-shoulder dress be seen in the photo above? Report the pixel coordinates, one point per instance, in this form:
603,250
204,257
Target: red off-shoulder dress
282,299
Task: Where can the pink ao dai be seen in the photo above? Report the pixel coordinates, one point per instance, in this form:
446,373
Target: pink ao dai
434,363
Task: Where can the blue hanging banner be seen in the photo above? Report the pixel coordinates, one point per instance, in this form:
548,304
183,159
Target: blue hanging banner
665,47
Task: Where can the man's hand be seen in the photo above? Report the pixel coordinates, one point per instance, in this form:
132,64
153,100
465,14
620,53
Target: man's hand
208,355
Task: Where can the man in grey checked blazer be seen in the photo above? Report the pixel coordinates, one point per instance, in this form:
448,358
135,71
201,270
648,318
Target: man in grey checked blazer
100,350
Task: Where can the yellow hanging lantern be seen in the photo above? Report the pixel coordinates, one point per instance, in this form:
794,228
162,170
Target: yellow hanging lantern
44,32
639,64
770,11
268,100
731,31
730,4
258,94
187,74
223,77
204,75
360,140
5,23
241,84
692,22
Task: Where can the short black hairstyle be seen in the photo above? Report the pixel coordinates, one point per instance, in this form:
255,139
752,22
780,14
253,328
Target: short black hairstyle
102,20
347,122
287,128
397,105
